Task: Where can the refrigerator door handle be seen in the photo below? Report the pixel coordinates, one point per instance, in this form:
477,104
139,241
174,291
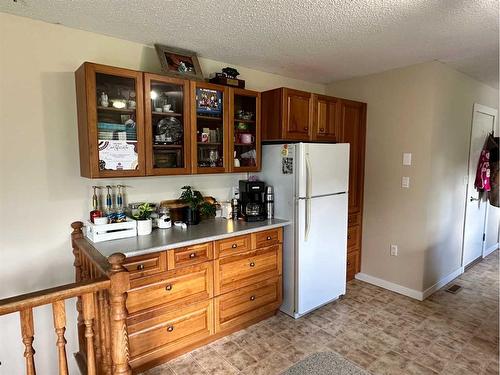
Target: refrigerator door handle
308,197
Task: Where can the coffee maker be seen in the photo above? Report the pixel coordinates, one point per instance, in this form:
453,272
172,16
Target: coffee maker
252,204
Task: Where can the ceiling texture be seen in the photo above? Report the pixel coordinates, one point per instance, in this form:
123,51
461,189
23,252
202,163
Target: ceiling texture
315,40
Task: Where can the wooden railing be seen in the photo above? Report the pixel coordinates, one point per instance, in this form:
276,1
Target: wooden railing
100,288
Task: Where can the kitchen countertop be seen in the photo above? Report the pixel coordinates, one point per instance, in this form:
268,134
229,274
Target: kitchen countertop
171,238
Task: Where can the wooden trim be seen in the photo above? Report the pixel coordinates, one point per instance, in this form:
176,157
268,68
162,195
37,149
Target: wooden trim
51,295
148,126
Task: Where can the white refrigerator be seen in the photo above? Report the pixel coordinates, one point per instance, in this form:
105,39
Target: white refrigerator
310,183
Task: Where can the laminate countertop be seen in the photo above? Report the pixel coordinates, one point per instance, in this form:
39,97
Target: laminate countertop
171,238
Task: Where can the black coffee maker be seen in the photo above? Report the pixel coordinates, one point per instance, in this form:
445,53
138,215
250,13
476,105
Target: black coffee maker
252,205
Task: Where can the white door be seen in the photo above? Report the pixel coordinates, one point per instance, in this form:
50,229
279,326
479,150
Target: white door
323,168
483,122
321,251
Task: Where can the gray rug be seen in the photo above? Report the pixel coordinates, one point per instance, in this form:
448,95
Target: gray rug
327,363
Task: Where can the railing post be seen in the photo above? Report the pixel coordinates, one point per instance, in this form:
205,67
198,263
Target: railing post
28,331
120,284
77,234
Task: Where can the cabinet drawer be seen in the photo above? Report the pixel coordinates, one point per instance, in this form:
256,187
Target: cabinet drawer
353,237
246,269
233,245
246,304
187,256
352,264
146,265
182,286
267,238
354,219
169,330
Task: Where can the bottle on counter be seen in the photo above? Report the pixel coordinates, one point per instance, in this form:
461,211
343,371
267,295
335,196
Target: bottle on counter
269,202
234,205
95,205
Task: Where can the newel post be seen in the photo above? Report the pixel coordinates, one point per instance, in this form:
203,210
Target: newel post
77,263
120,284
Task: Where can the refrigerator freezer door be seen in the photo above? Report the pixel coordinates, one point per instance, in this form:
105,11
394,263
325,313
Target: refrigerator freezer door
322,257
323,168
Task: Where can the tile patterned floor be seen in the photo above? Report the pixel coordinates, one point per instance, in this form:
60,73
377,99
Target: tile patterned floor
381,331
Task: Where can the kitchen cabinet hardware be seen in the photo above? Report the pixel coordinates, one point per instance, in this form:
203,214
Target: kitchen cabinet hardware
192,255
252,298
170,328
168,287
252,264
140,267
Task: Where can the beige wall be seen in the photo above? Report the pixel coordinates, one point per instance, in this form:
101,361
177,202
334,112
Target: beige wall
41,190
424,109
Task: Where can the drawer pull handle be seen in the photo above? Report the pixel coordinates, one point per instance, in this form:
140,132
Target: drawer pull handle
268,238
170,328
192,255
252,264
252,298
140,267
234,246
168,288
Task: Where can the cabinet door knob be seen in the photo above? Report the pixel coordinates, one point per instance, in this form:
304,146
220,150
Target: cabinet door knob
268,238
170,328
306,128
252,264
168,287
348,263
140,267
322,130
192,255
349,237
234,246
252,298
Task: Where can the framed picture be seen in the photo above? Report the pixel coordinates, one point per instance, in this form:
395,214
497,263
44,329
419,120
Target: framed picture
179,62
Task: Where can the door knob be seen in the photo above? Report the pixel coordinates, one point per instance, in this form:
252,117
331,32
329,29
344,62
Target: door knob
472,199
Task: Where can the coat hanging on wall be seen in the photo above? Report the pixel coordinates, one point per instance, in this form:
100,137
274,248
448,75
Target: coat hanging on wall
487,171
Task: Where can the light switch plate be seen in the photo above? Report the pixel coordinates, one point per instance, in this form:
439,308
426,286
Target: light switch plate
406,158
405,182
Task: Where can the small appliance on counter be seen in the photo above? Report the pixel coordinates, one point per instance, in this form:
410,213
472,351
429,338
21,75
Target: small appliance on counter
252,203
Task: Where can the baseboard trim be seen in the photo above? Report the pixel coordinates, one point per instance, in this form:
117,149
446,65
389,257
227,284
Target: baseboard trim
412,293
489,250
445,280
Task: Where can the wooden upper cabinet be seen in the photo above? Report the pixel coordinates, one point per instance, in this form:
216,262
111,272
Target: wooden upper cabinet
326,114
244,129
286,115
298,114
110,109
353,123
209,128
167,125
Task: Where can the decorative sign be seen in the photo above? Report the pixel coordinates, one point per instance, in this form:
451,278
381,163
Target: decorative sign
118,155
287,165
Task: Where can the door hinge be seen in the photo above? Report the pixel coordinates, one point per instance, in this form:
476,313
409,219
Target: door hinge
484,237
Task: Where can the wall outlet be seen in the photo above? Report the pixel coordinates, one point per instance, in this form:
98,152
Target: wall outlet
394,250
405,182
406,158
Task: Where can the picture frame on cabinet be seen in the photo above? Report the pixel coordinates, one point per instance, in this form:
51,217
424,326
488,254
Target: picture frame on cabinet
179,62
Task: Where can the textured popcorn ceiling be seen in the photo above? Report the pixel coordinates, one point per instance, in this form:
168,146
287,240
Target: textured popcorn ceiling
315,40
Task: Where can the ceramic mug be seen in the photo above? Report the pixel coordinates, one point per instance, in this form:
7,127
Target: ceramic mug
246,138
166,107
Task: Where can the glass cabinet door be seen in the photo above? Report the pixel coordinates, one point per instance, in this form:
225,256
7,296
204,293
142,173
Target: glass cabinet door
167,125
210,106
118,122
245,129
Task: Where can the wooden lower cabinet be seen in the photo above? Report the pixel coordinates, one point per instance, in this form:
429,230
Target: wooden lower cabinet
184,298
245,304
353,263
168,331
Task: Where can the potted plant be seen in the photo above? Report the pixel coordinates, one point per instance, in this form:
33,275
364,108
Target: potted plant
143,217
196,205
